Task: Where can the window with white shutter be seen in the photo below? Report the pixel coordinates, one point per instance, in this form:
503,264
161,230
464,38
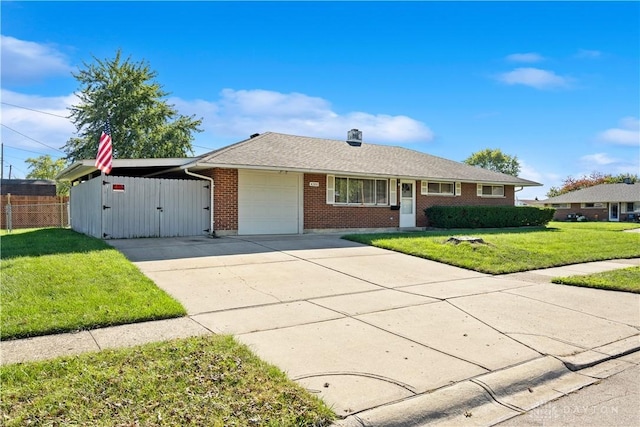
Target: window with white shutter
331,189
393,192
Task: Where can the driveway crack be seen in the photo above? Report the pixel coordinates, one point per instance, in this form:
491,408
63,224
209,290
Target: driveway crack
245,283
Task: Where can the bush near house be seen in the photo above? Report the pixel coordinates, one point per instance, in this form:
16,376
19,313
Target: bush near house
487,216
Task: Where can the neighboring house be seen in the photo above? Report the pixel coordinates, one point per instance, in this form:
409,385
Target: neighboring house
604,202
529,202
283,184
30,203
28,187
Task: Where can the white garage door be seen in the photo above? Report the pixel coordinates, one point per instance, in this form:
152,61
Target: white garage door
269,202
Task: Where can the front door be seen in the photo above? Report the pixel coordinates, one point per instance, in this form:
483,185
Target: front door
613,211
407,204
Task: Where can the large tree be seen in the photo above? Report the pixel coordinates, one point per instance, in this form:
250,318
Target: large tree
495,160
595,178
143,124
44,167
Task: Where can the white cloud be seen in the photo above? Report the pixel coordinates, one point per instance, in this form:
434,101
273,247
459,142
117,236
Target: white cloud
606,164
534,77
525,57
628,133
598,159
547,179
48,128
26,62
240,113
233,116
588,54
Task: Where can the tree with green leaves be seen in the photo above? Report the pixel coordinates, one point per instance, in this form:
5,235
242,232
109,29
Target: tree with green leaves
570,183
495,160
44,167
143,124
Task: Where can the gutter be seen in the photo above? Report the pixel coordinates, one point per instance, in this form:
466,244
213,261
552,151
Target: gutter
212,231
359,174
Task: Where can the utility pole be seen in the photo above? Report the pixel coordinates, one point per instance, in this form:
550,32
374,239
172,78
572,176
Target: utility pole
10,166
2,161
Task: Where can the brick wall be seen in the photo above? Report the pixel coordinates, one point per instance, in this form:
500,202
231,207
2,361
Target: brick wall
318,214
225,198
592,214
469,197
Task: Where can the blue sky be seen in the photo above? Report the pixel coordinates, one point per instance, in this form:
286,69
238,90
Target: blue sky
556,84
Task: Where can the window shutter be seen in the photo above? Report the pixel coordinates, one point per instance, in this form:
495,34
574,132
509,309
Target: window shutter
479,191
423,187
331,186
458,189
393,192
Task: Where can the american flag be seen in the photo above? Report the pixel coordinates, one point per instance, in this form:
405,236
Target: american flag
105,155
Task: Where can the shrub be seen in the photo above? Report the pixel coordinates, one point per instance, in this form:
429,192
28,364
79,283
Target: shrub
487,216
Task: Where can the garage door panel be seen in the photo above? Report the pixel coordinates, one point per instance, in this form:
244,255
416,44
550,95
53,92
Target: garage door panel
268,203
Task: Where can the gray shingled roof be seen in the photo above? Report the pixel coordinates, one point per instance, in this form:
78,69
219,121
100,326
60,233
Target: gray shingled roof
300,153
600,193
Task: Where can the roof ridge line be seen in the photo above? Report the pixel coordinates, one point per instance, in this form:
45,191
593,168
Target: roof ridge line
231,147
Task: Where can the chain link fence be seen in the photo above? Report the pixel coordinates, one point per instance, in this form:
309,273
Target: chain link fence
36,215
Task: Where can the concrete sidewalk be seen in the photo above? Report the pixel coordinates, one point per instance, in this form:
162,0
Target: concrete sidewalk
384,338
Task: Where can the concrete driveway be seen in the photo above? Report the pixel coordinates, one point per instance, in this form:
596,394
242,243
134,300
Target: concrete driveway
388,336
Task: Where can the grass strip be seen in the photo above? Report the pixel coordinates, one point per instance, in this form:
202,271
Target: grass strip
203,381
57,280
625,280
514,250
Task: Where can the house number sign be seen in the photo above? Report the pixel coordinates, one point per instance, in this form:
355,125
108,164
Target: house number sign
314,184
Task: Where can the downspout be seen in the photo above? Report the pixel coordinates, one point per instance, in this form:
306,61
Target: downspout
514,194
212,231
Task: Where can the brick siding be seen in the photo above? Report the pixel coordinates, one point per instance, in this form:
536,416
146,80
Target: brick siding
469,197
592,214
225,198
320,215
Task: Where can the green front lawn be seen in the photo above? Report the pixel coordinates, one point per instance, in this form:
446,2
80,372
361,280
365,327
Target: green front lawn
626,279
57,280
520,249
204,381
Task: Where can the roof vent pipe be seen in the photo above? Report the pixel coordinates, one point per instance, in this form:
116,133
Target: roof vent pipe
354,137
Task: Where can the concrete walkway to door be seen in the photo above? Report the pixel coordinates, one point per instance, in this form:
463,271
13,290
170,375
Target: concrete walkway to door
389,338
